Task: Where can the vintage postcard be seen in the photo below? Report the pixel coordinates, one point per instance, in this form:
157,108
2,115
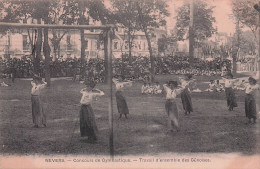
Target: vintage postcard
126,84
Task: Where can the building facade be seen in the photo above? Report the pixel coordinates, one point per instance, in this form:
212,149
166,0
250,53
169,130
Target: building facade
18,43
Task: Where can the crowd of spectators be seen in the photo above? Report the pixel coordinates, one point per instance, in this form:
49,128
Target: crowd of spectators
134,68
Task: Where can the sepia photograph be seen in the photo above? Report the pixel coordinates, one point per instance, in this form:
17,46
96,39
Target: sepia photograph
129,84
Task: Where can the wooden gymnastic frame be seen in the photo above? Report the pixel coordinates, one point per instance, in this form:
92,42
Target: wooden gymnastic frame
110,30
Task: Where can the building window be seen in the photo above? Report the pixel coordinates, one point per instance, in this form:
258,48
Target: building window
86,44
26,43
94,45
135,45
98,45
144,44
126,45
115,45
69,46
139,45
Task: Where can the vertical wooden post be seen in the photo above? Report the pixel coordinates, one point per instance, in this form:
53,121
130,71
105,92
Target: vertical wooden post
46,51
38,49
109,82
191,33
106,56
82,54
258,59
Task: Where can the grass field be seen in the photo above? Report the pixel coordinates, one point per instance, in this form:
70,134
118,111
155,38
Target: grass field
210,128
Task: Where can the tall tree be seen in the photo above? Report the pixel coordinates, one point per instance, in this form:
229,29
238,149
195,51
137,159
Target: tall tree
236,47
126,14
37,10
79,12
244,11
57,35
75,12
203,21
151,14
99,12
247,46
191,33
244,41
41,10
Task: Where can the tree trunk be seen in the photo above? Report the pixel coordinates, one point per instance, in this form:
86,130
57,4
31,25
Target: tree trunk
236,53
38,48
234,65
129,46
32,42
55,45
191,34
258,59
122,59
144,27
55,48
46,51
82,53
151,54
106,56
58,51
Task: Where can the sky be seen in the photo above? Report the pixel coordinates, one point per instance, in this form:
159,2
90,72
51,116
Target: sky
222,12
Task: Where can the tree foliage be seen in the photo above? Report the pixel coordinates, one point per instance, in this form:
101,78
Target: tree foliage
167,44
125,13
15,11
141,15
151,14
79,12
246,45
244,11
203,21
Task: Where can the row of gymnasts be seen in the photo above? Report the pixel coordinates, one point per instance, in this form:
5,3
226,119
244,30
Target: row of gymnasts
172,90
88,127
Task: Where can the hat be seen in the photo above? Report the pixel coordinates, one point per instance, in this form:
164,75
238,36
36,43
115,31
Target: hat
173,82
229,74
90,83
120,77
252,80
189,76
37,78
123,77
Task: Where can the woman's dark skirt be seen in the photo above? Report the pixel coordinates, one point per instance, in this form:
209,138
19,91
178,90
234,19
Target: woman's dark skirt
186,101
121,103
231,98
172,112
250,106
38,114
88,125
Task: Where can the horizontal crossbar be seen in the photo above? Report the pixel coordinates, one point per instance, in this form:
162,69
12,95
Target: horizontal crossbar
88,27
